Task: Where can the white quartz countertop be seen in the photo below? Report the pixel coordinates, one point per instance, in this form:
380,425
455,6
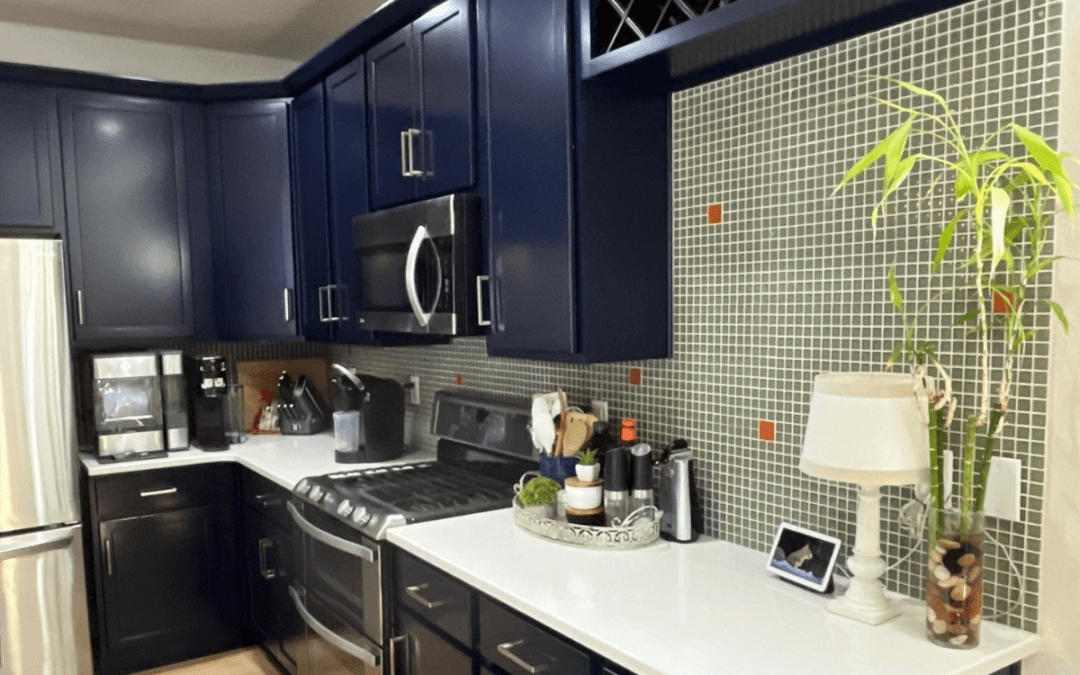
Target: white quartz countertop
687,609
282,459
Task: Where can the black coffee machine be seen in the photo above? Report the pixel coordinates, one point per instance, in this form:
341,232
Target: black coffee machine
208,400
381,403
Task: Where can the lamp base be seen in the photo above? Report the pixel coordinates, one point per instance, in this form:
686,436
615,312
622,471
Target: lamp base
872,615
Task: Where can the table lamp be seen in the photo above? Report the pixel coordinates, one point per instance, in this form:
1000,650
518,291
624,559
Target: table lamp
868,429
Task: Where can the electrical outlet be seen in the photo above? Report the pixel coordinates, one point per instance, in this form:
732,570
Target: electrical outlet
1003,488
600,409
414,392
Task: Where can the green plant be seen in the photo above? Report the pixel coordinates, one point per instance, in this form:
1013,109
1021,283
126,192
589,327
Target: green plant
1004,199
540,491
586,457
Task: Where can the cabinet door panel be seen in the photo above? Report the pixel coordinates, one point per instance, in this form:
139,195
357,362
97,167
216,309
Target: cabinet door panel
127,210
391,102
310,201
30,184
251,212
346,129
426,653
530,189
444,59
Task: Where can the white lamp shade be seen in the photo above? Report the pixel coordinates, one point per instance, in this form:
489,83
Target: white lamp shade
867,428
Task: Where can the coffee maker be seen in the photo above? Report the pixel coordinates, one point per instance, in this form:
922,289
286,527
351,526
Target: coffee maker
208,401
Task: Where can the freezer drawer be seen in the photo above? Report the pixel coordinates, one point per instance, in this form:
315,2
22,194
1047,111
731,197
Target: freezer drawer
44,627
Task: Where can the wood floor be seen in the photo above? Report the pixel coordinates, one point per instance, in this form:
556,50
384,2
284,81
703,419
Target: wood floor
250,661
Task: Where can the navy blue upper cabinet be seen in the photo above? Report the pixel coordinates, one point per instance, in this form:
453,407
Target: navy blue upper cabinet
128,230
578,190
31,193
421,108
346,132
310,212
251,218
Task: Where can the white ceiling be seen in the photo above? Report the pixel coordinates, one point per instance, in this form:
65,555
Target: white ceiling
287,29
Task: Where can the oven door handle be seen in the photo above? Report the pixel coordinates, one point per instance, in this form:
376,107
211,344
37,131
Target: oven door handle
362,652
410,275
344,545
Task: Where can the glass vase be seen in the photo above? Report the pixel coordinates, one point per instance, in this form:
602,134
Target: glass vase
954,582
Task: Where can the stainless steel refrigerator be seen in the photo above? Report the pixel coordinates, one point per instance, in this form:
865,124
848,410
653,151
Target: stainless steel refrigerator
44,629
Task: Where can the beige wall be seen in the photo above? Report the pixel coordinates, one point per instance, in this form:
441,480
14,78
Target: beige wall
1059,600
55,48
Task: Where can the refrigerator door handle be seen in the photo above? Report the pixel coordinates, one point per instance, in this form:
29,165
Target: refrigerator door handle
38,542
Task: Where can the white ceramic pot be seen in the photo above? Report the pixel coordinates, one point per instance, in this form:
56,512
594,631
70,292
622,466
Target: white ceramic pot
582,496
587,472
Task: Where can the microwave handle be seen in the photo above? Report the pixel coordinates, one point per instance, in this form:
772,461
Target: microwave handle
410,275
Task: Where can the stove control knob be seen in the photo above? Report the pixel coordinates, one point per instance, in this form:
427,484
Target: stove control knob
303,486
315,493
328,498
344,508
361,515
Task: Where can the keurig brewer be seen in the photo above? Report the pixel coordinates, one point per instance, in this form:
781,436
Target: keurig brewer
209,402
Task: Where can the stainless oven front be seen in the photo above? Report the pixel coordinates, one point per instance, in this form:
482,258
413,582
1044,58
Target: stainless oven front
339,596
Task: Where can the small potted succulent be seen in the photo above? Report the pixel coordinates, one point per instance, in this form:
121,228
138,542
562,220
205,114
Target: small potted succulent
539,496
587,469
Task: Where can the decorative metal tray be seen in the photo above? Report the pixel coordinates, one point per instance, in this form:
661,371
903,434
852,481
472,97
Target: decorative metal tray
638,529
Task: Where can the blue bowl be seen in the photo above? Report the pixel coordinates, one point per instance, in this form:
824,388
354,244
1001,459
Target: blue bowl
557,468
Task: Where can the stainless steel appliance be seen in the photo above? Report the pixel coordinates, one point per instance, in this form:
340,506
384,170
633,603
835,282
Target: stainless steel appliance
418,268
678,497
174,400
126,397
208,401
484,447
44,627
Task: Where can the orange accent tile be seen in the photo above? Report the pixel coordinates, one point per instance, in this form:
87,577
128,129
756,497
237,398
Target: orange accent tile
1003,301
459,380
766,431
716,214
635,376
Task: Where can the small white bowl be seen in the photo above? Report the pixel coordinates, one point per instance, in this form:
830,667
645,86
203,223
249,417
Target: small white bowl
583,497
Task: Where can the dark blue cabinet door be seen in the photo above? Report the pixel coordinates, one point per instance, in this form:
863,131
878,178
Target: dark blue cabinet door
310,209
443,39
530,197
31,193
346,129
251,215
395,133
125,185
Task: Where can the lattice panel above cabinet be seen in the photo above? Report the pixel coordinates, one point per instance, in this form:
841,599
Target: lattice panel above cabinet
617,23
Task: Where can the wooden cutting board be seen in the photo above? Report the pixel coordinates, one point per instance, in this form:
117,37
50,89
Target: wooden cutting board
260,377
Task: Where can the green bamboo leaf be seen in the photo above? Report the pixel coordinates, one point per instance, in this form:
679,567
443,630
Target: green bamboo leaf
963,186
945,240
919,91
902,171
1039,266
1013,229
897,351
1043,154
897,142
980,158
1059,313
999,208
1065,193
894,291
1033,172
876,153
967,316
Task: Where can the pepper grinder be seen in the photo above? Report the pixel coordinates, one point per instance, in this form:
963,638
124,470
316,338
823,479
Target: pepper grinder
641,477
616,496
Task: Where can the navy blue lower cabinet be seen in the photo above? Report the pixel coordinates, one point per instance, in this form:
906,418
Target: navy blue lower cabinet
252,221
127,210
31,189
577,195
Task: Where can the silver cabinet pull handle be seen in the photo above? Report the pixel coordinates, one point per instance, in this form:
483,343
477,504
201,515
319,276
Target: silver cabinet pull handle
79,302
404,163
413,171
480,320
264,571
368,655
108,556
266,501
322,307
343,545
414,593
21,545
286,299
157,493
331,314
506,649
393,653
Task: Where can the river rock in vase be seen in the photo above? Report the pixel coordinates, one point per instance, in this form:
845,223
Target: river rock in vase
954,584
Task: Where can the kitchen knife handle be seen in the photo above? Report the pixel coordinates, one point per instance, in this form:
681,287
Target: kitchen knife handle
108,557
79,302
506,649
414,593
480,320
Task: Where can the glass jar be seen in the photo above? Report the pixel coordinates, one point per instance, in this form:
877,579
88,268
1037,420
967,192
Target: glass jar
954,582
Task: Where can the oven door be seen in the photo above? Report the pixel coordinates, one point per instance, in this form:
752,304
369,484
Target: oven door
331,645
341,571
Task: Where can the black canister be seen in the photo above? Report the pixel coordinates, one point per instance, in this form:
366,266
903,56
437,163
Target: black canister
616,480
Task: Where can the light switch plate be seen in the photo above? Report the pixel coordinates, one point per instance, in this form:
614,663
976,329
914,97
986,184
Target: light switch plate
1003,488
599,408
414,392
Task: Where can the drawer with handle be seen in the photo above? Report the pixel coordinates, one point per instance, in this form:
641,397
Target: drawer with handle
433,596
521,647
159,490
266,497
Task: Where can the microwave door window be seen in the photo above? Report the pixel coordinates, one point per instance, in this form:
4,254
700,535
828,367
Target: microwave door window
127,405
382,278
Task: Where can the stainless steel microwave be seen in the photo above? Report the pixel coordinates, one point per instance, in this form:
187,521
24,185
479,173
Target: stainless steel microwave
417,268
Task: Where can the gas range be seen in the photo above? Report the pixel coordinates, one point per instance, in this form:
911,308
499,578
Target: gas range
374,500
